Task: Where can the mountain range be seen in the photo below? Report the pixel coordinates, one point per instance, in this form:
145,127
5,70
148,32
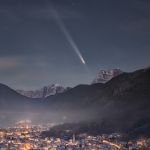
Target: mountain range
120,104
103,76
45,91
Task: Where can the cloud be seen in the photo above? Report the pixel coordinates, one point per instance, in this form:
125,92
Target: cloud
8,63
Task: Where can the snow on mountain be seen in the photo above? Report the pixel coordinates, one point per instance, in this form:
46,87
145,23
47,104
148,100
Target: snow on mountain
46,91
104,76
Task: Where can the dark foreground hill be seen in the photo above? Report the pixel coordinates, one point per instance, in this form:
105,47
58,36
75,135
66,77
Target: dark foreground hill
120,104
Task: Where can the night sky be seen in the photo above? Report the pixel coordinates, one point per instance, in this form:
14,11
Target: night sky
35,51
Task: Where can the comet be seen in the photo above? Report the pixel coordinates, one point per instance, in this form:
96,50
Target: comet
68,36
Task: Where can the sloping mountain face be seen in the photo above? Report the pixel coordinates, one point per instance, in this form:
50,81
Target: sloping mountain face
14,107
104,76
121,104
10,98
44,92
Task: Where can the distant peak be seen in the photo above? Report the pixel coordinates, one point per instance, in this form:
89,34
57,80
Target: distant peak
45,91
104,76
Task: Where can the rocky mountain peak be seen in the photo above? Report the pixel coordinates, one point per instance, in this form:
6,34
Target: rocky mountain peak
45,91
104,76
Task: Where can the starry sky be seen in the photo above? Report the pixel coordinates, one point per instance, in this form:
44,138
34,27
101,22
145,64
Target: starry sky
34,50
